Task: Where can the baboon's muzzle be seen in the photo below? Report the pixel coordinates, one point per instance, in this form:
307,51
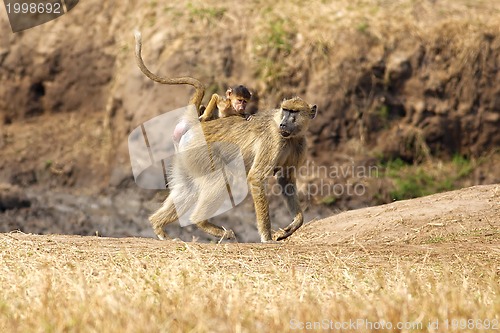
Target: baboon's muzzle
285,131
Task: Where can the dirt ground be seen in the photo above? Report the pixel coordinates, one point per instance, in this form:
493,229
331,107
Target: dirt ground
469,217
452,217
430,264
464,222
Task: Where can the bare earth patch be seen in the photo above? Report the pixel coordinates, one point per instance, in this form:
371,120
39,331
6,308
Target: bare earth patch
459,216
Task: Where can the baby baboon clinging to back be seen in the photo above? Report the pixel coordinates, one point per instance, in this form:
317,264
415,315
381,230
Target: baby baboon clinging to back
234,104
273,140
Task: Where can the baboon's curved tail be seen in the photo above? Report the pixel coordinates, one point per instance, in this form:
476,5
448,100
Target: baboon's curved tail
200,88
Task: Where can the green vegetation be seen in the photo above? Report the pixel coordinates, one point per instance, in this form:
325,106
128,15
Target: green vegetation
329,200
279,37
411,181
383,112
363,27
463,165
271,48
210,14
436,240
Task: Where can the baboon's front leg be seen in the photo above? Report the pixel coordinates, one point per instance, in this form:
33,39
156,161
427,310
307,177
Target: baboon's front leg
289,192
257,189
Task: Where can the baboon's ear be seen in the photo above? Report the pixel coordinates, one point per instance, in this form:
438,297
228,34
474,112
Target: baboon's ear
314,111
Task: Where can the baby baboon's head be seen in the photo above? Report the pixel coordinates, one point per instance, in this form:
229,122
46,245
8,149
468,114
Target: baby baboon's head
293,117
239,96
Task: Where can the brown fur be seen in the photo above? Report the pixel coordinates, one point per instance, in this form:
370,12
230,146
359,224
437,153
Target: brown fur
273,140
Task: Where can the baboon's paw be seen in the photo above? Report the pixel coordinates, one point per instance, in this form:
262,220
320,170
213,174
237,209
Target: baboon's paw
278,233
176,240
282,234
229,234
162,235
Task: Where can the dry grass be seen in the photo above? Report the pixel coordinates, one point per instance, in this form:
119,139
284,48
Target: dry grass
281,38
68,284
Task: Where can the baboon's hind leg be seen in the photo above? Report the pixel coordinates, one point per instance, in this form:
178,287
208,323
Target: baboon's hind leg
169,212
211,197
164,215
215,230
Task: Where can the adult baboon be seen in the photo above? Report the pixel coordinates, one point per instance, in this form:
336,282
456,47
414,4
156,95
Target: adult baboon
273,141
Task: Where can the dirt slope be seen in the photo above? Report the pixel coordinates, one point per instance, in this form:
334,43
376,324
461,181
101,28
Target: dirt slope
401,79
466,215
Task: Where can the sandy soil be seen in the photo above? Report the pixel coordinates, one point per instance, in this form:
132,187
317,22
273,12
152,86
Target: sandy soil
469,217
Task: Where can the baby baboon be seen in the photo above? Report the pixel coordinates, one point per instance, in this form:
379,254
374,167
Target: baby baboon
234,104
274,142
200,88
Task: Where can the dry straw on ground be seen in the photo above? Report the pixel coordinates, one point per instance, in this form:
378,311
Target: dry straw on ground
71,284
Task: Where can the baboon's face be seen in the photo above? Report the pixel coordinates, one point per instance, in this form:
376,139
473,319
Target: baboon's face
239,98
295,115
291,123
239,104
